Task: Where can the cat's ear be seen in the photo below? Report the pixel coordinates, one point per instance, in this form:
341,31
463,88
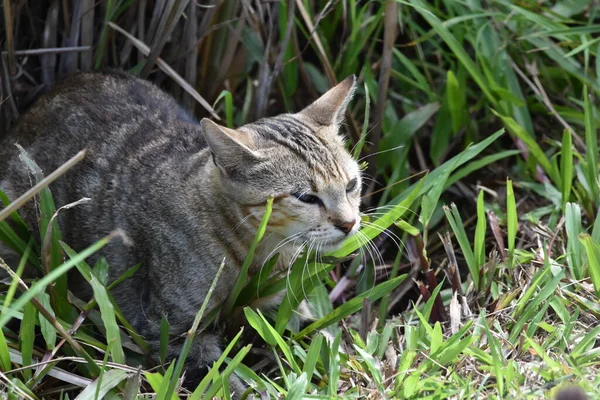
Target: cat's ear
229,147
329,109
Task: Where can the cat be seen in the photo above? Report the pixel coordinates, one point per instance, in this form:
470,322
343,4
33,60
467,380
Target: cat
186,195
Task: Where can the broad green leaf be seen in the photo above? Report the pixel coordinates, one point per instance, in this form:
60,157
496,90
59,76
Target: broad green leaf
5,363
298,389
436,338
312,357
262,326
477,165
215,369
228,99
592,249
159,382
372,366
40,285
453,217
48,331
566,167
363,135
242,277
27,336
449,355
596,229
434,176
233,364
577,30
334,365
591,146
351,306
587,343
455,98
110,379
257,323
575,250
512,220
164,339
455,46
107,311
529,141
297,288
480,231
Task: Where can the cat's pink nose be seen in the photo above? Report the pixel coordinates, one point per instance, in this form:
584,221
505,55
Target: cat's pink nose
346,227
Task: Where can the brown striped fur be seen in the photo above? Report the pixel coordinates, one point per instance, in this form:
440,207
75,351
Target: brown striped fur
185,194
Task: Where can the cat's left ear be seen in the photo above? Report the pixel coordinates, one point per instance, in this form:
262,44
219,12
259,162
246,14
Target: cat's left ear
230,148
329,109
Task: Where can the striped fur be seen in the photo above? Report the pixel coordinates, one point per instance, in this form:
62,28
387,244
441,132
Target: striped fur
186,195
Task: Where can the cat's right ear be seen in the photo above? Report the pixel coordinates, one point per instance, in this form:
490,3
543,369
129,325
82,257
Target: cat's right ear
329,109
230,148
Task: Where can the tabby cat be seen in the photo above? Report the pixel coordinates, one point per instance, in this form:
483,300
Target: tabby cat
186,195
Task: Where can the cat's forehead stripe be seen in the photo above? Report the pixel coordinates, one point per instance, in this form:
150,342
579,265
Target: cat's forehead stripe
302,139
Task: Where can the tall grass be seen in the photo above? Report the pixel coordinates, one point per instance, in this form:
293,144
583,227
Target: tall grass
477,271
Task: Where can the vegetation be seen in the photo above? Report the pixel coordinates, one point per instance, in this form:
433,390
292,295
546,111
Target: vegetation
478,266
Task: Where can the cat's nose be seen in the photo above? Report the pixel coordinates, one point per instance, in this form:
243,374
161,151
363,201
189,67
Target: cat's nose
346,227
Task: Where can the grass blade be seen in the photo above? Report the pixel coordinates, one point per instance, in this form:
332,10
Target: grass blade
97,390
242,278
592,249
107,311
566,167
591,146
352,306
512,221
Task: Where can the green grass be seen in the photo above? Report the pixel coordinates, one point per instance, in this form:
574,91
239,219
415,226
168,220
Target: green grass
477,270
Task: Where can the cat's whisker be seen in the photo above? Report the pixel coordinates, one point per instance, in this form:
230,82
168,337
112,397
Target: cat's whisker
365,245
367,178
305,266
318,259
384,206
380,152
317,246
387,208
282,243
246,218
291,264
372,250
395,238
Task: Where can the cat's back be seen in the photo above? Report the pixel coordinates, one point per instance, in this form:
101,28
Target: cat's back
112,114
129,127
90,109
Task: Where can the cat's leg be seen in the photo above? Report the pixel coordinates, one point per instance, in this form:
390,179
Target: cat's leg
204,351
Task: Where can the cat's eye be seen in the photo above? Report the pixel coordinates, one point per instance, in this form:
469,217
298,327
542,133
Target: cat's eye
351,185
307,198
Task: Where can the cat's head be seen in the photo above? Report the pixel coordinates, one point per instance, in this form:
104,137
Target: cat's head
299,159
